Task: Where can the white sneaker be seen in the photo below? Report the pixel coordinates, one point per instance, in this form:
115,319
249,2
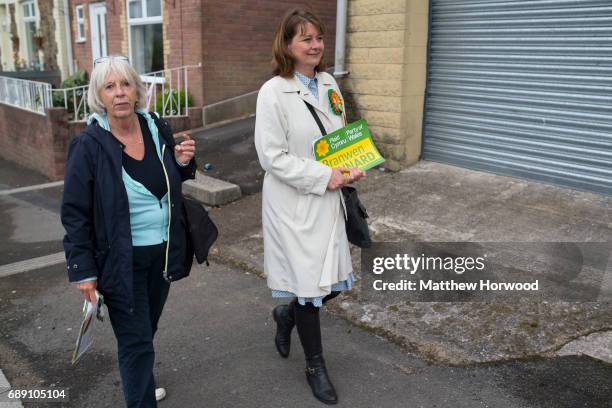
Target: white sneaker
160,394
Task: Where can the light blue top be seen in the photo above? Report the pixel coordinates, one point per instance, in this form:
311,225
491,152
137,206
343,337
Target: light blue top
312,84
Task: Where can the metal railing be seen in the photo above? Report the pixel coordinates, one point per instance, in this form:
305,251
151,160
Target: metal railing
31,95
166,94
167,91
74,100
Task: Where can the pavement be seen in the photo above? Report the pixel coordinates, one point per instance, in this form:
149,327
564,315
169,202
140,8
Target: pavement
215,342
432,202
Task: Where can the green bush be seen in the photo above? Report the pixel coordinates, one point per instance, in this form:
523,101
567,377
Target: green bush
79,78
176,97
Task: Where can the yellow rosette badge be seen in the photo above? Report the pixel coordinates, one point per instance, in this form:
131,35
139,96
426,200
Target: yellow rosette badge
322,147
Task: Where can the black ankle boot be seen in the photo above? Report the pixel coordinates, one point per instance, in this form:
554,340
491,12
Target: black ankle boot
284,318
319,381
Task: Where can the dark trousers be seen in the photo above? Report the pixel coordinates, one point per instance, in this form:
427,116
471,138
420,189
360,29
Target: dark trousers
135,331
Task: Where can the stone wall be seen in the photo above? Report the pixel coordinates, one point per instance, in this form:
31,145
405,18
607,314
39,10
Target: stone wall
386,58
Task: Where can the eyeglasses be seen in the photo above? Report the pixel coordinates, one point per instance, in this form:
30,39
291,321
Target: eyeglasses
109,57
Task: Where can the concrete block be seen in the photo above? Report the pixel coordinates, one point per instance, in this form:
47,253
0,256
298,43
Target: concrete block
378,103
393,71
383,22
416,55
389,55
384,119
211,191
386,135
415,72
391,151
376,39
355,55
418,7
373,87
418,27
368,7
369,71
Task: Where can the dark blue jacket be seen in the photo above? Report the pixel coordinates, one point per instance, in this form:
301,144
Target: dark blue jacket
96,216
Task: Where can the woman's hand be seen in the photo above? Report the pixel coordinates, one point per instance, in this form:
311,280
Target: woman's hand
88,289
337,179
355,174
342,176
185,150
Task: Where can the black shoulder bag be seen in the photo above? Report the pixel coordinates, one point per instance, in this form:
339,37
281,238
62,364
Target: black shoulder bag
357,229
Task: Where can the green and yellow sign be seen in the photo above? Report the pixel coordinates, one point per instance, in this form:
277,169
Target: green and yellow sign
351,146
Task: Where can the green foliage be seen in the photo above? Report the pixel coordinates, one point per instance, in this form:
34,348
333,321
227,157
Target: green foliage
171,107
79,78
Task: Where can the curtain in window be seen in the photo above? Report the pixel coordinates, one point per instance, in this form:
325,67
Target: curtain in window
147,48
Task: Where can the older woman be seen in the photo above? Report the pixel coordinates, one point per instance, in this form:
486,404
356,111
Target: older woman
306,251
122,209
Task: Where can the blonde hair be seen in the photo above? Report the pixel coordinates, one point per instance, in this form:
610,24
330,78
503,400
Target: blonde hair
296,19
101,71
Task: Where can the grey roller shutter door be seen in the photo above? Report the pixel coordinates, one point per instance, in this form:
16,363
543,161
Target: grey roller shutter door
522,88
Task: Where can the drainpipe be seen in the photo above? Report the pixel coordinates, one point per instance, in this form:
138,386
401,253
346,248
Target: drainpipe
68,38
341,12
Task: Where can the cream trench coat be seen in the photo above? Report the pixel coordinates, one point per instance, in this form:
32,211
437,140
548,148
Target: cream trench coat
306,249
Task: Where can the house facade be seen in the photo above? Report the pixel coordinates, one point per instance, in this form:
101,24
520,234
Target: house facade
34,36
231,39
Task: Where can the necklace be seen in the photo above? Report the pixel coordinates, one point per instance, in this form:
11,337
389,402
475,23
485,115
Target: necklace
140,141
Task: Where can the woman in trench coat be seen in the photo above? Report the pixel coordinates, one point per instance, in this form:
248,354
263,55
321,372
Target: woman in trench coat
306,251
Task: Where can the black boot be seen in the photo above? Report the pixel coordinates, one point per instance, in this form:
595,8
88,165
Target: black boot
319,381
283,315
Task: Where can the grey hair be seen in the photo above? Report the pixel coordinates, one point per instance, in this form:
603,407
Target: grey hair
99,74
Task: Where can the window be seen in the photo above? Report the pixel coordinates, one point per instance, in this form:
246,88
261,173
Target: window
80,23
29,19
146,35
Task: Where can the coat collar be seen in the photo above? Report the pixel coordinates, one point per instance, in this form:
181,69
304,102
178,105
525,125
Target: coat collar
294,85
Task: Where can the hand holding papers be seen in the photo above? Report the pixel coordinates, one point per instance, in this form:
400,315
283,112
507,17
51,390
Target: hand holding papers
85,338
350,146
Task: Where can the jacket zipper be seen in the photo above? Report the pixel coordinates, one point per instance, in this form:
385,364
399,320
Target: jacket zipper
165,273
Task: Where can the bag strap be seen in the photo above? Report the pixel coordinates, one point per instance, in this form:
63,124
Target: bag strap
316,118
162,129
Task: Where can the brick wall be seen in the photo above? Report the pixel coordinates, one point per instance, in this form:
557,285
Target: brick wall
386,57
81,51
36,141
116,27
40,142
183,41
237,42
116,31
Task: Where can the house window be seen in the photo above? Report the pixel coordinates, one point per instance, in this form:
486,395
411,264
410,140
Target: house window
29,19
80,23
146,35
